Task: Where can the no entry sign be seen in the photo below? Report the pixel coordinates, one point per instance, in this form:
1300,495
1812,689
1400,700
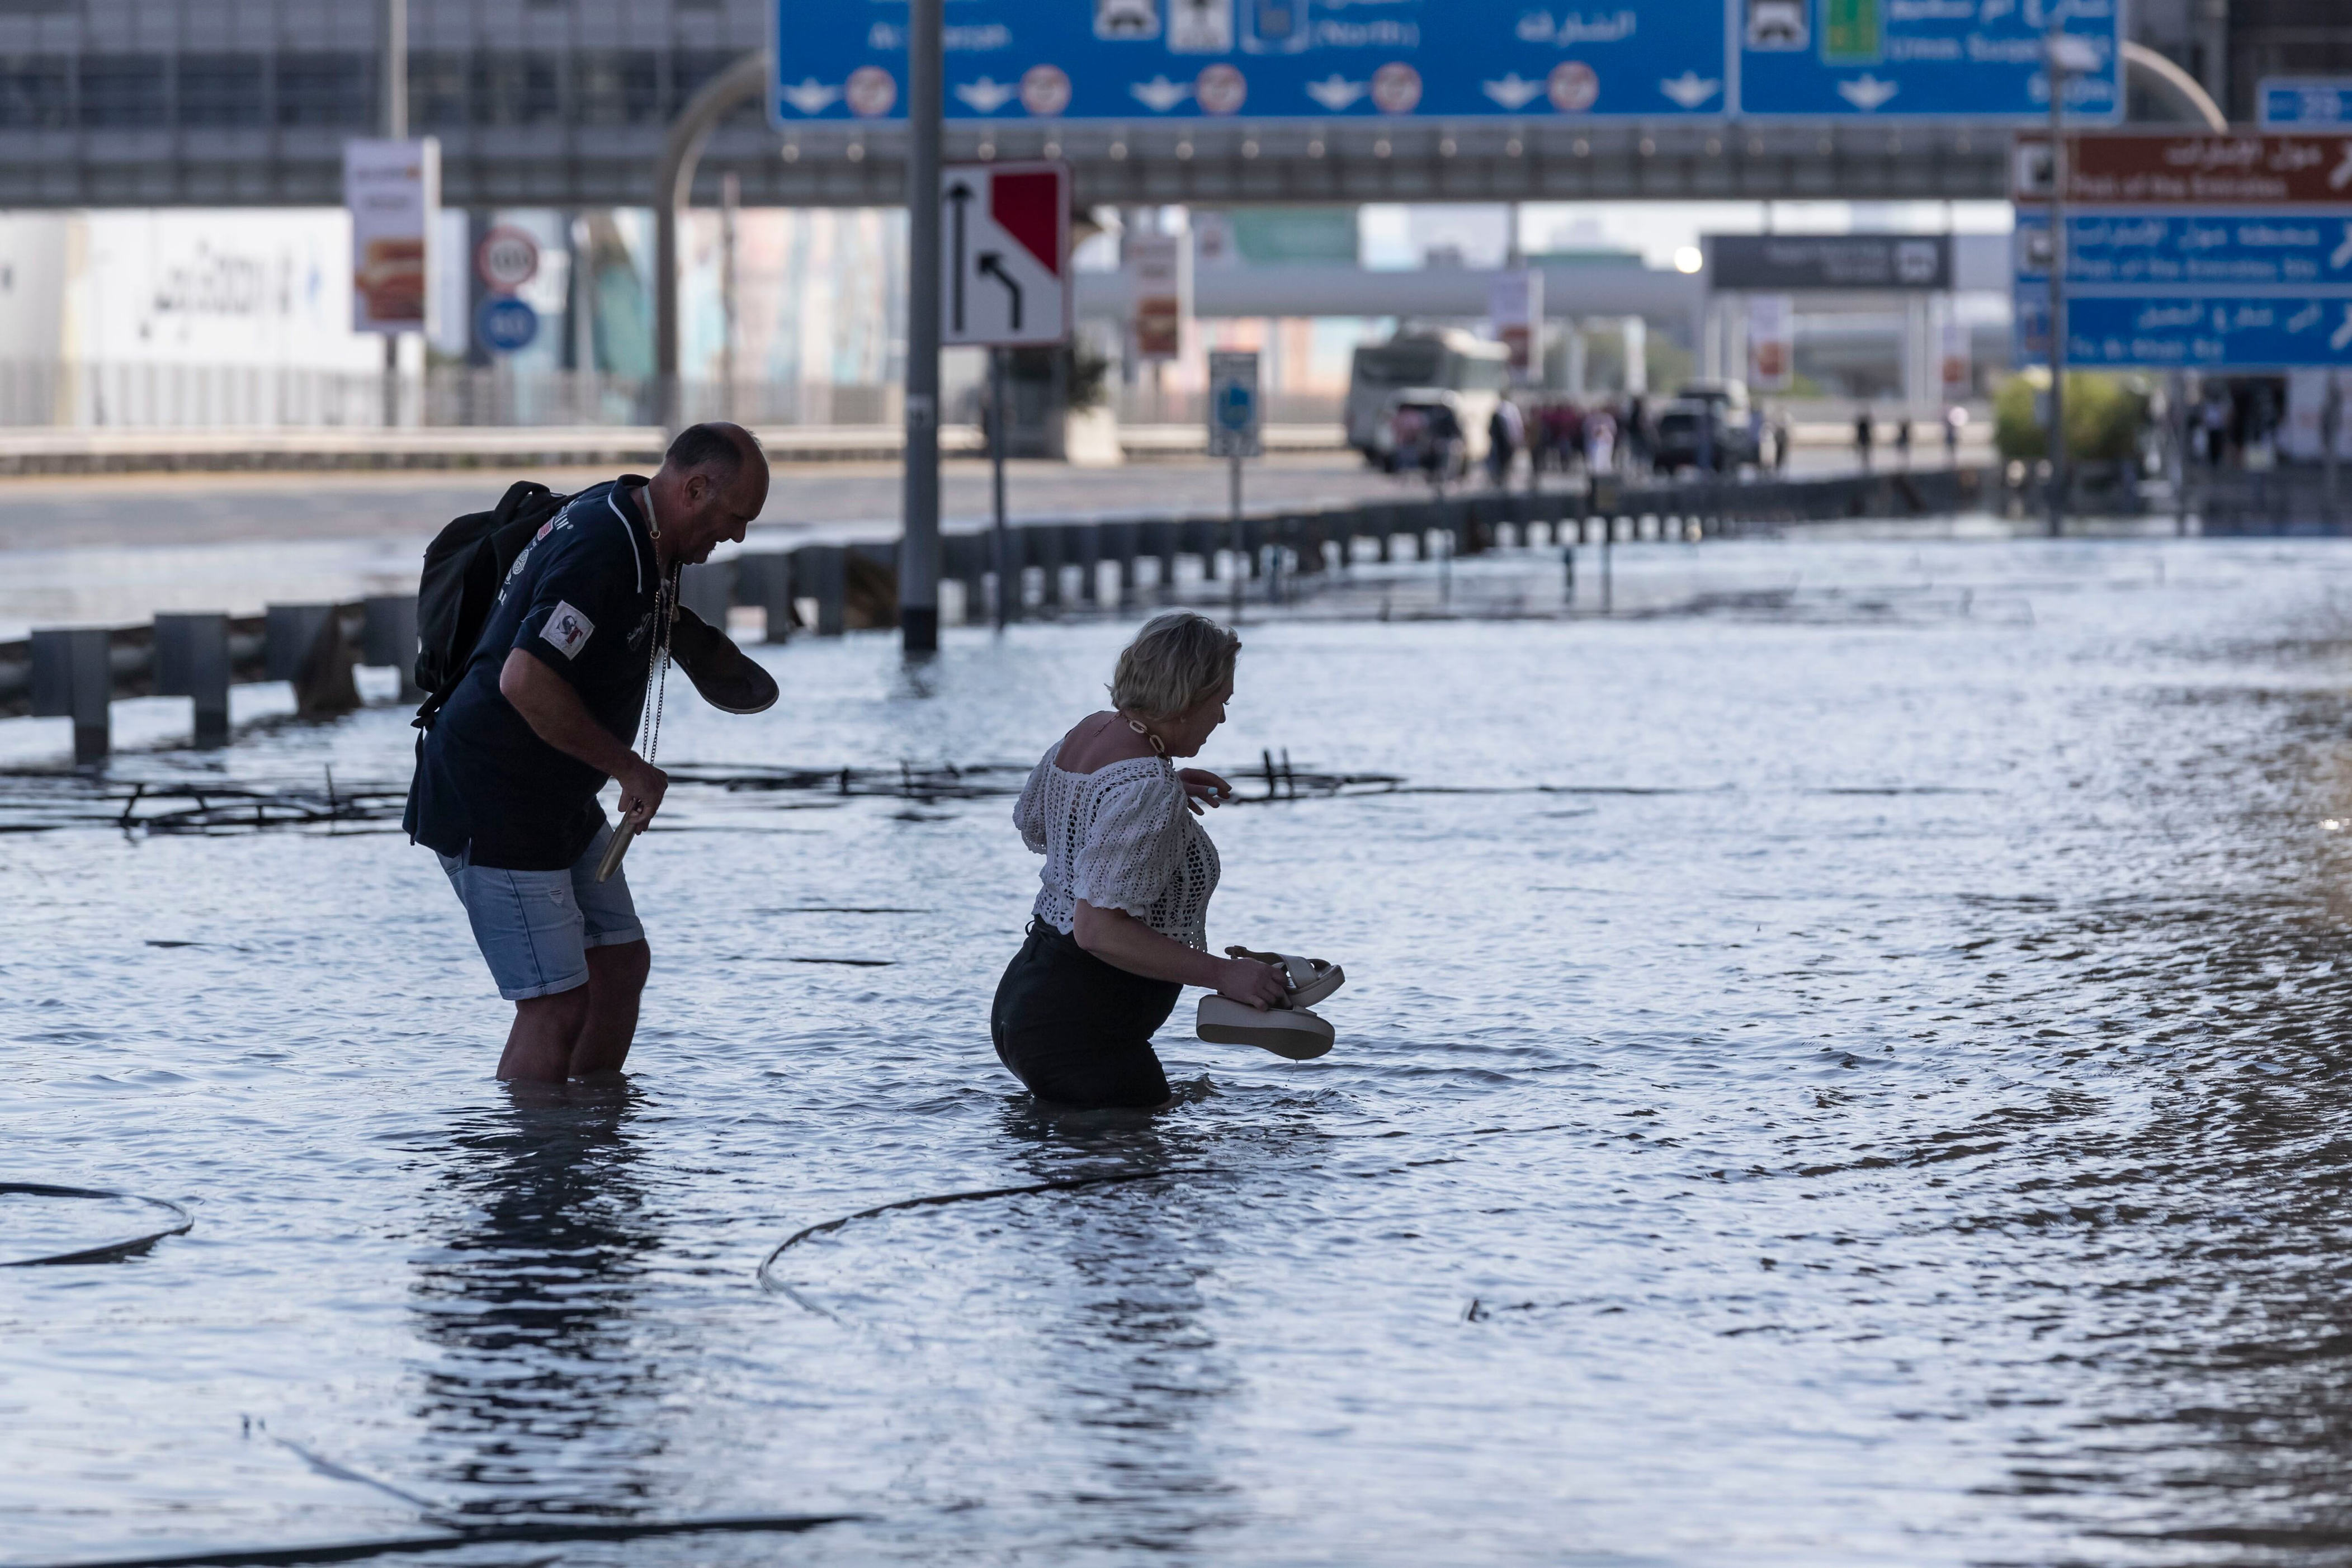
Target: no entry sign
1004,229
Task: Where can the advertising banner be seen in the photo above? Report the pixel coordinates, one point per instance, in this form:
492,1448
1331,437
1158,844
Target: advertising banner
393,189
1160,281
1515,304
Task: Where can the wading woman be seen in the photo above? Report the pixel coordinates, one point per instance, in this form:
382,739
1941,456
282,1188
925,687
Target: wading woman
1120,921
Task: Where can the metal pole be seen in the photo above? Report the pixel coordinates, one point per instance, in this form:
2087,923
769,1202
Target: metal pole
2056,71
918,550
730,202
1008,580
2331,422
1241,546
393,60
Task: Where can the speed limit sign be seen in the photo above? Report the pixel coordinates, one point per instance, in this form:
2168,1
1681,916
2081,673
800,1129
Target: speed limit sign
507,259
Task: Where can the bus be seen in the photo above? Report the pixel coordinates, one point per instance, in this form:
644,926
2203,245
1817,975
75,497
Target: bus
1447,359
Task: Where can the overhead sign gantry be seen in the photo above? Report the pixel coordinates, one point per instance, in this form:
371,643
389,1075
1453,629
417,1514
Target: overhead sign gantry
1141,60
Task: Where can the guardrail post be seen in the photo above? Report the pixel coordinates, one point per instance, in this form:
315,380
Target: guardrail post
1046,542
708,590
73,677
822,570
191,660
287,632
1089,538
766,580
387,637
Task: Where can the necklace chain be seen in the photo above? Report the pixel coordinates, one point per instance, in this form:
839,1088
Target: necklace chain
665,602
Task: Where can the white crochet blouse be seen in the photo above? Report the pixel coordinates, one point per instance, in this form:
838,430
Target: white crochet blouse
1121,838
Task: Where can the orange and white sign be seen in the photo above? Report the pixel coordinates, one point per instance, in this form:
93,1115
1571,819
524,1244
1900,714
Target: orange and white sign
392,190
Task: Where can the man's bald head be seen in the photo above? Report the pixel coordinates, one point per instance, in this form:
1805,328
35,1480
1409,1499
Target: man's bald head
712,485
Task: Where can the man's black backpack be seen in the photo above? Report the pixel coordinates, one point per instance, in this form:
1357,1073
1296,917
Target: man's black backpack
463,568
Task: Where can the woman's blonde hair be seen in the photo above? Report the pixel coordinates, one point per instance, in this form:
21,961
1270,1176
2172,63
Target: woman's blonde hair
1175,662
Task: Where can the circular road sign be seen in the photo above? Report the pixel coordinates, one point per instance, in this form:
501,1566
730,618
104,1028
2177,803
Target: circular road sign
507,259
505,324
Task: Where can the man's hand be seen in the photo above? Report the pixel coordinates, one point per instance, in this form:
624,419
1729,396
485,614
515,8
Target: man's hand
641,788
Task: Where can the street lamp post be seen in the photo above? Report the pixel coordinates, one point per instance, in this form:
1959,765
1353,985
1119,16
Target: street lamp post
918,551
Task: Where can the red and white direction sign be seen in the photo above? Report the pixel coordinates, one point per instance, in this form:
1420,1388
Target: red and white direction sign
1004,229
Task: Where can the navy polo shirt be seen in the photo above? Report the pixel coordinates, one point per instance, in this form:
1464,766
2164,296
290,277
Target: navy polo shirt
580,599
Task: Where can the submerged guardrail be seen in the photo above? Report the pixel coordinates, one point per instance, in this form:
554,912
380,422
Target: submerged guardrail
78,672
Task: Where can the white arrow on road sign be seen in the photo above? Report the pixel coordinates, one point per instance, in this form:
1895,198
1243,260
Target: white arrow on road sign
987,95
811,97
1867,92
1160,95
1335,92
1006,233
1690,90
1514,92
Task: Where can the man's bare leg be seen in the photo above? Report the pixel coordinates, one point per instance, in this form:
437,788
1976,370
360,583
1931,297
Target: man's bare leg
546,1029
616,984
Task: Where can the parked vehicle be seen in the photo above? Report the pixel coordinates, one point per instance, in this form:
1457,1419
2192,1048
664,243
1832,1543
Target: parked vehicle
1449,361
1705,426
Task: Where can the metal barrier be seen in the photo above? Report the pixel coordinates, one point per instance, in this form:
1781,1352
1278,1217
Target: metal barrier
76,673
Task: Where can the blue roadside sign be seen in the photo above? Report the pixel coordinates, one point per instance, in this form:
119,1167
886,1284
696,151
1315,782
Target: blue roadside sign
2303,102
1892,59
2173,251
506,324
1260,59
2212,333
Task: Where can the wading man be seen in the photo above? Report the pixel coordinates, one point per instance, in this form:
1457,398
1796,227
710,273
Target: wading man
544,713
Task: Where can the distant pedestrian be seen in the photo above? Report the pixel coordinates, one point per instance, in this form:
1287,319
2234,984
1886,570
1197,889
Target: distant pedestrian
1955,418
1504,430
1863,434
1120,926
1600,441
1903,441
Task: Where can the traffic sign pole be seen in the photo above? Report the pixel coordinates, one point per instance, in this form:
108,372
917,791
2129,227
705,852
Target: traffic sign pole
918,550
1241,545
1008,586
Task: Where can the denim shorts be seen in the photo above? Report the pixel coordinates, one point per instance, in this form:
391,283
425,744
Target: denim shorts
536,927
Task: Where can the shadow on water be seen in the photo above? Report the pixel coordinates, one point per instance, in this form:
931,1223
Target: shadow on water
542,1398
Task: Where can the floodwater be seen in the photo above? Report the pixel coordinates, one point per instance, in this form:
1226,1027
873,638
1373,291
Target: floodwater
1844,1071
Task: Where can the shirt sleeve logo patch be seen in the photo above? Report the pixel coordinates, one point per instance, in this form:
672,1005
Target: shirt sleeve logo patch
568,629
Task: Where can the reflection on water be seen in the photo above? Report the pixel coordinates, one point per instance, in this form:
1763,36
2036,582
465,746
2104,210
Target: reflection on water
544,1398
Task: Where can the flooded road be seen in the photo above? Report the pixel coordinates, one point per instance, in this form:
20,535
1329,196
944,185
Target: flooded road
1844,1071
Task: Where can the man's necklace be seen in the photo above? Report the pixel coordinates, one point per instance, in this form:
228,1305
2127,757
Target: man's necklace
665,602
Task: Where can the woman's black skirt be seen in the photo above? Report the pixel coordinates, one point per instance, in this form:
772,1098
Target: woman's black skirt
1077,1030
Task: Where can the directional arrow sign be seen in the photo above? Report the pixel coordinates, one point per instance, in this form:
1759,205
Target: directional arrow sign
1007,281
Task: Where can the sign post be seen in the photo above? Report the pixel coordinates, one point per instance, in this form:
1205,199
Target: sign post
1236,430
1004,283
919,547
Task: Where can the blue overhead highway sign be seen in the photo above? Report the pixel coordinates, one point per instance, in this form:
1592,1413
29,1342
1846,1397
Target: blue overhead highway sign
1945,59
1261,60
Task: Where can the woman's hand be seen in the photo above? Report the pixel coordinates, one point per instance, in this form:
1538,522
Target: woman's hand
1261,985
1199,784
